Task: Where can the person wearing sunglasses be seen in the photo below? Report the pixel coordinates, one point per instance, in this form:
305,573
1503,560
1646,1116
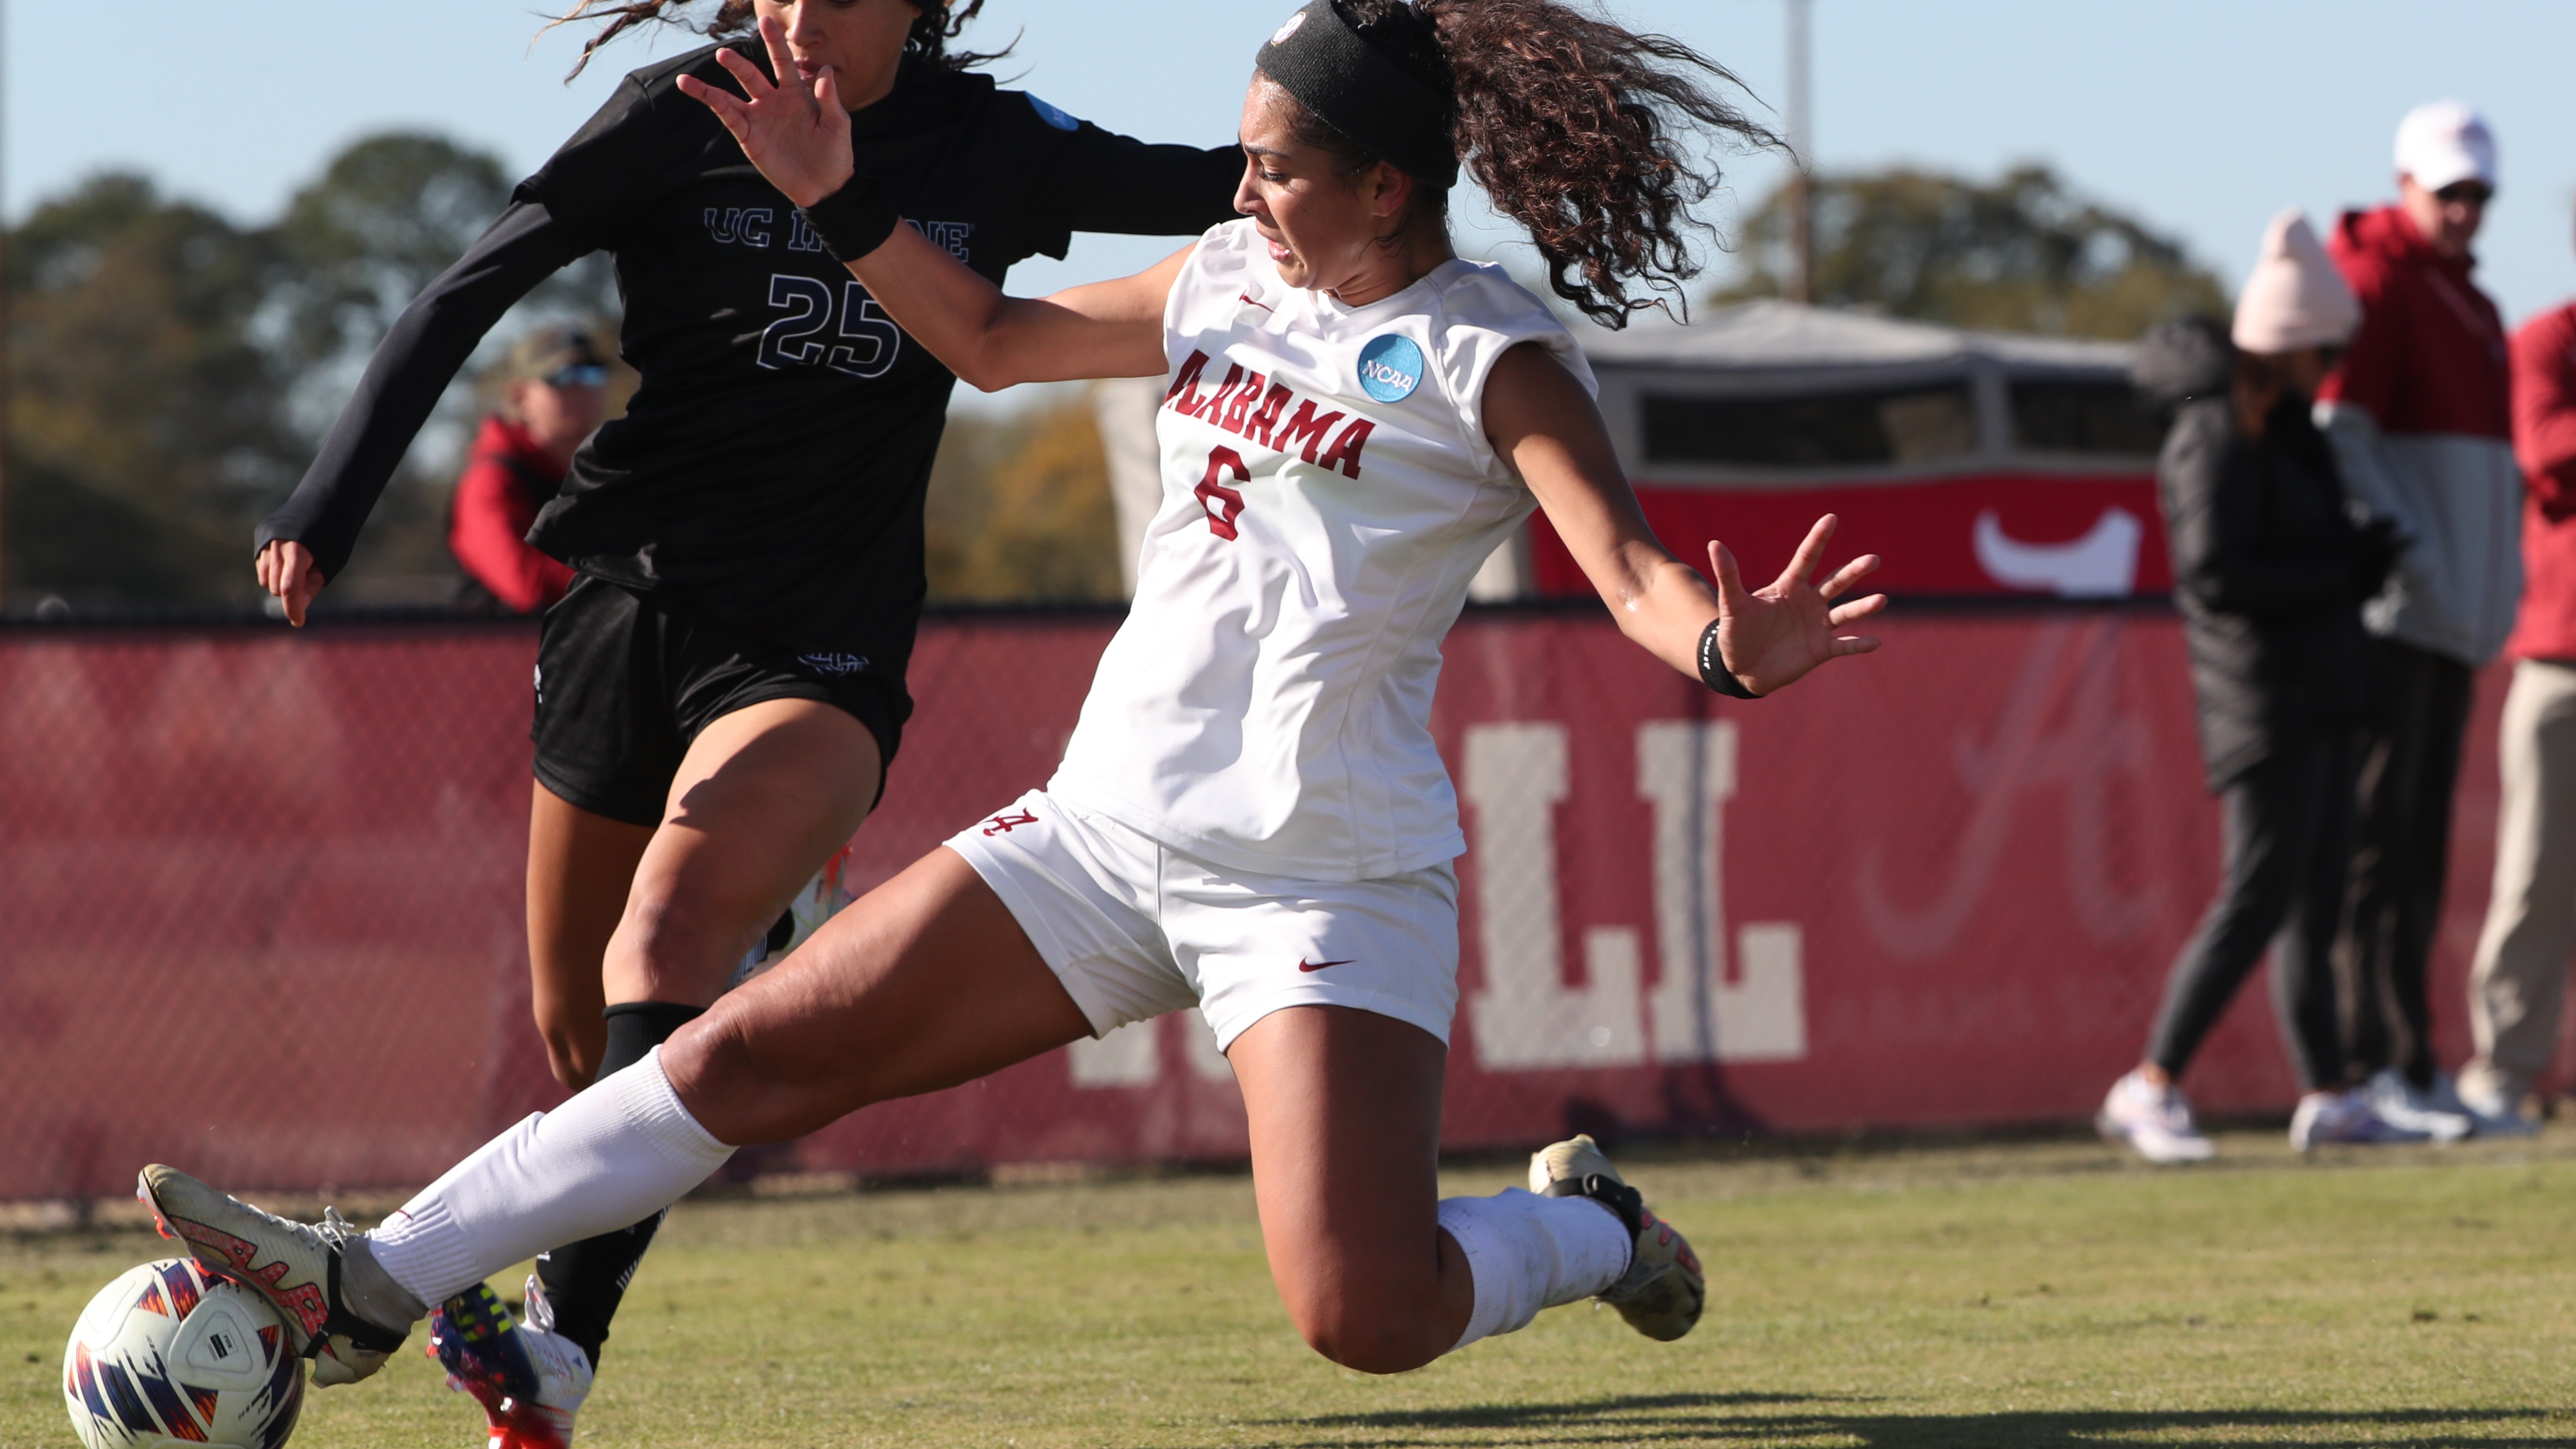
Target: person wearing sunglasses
552,395
2420,414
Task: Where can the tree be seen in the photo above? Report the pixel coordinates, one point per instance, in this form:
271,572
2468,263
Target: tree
1019,508
2025,254
173,373
146,430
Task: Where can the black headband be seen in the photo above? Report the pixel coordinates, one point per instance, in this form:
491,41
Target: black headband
1318,58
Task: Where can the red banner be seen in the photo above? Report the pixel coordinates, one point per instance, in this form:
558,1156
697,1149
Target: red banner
2073,535
260,900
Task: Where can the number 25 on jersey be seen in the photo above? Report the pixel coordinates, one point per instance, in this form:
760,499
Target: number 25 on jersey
863,344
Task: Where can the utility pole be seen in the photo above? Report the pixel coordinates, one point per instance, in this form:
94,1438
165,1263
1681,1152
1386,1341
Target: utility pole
1802,238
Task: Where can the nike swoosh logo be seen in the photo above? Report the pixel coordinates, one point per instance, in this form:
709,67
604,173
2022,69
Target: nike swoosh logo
1303,965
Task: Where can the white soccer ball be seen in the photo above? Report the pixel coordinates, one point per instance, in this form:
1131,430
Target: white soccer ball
171,1355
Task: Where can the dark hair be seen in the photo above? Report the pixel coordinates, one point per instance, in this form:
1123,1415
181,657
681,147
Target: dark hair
938,23
1577,129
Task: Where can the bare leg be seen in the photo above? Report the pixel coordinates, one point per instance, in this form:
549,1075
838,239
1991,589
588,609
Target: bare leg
580,866
763,798
1345,1109
923,983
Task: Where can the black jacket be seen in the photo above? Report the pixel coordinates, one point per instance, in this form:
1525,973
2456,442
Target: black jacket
2269,569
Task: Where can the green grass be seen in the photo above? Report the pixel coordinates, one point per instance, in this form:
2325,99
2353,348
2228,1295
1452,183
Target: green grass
2032,1294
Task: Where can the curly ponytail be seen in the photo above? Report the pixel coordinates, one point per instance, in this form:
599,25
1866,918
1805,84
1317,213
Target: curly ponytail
1578,129
939,23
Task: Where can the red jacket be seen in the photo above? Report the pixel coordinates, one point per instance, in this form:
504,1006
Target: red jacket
507,479
2544,443
2430,354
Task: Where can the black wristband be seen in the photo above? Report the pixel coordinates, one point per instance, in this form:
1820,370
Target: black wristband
854,220
1712,669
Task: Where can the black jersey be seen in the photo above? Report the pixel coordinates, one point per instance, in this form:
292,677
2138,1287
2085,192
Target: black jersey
771,468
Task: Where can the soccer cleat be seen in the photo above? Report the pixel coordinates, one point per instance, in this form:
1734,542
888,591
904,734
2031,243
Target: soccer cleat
294,1266
1663,1290
2155,1121
529,1379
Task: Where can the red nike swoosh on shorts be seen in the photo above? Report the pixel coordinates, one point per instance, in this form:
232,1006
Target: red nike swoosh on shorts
1320,965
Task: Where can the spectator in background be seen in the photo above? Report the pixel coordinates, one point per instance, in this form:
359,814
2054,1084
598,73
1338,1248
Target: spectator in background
2270,572
2420,417
553,394
2521,966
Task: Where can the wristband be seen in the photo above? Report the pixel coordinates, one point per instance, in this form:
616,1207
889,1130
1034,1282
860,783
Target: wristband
854,220
1713,671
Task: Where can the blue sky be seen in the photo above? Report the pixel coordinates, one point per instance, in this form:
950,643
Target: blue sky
2203,117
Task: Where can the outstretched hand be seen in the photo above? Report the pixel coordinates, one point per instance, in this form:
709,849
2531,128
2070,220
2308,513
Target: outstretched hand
798,135
1771,637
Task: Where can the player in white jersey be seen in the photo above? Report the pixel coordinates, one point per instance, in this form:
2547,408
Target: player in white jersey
1251,817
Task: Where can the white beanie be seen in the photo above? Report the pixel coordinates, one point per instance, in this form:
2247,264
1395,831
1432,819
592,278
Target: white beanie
2294,298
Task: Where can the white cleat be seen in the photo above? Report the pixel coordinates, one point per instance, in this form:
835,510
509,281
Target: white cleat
294,1266
2154,1121
1663,1291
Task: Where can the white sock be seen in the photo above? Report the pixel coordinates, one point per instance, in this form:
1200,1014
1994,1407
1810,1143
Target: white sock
611,1157
1528,1252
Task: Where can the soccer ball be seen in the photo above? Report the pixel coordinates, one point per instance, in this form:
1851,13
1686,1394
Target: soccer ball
171,1355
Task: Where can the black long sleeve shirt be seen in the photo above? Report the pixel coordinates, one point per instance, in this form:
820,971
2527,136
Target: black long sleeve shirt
771,468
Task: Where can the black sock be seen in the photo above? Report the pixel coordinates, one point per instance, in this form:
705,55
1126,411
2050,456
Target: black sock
585,1281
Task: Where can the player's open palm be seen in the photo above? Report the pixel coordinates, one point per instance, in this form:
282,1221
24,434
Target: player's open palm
797,135
1772,636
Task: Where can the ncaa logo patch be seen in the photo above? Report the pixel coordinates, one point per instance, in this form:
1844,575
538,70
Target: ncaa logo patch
1280,36
1052,116
1390,367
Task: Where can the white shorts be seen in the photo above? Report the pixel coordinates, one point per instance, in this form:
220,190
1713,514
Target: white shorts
1135,928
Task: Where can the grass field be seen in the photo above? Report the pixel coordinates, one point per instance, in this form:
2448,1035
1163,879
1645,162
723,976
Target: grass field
2019,1294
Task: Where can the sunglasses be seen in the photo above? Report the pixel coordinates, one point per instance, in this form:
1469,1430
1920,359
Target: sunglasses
2474,193
582,374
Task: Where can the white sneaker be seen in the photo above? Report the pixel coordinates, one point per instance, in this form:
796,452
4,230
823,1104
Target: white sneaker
2400,1104
2345,1117
2156,1121
2484,1105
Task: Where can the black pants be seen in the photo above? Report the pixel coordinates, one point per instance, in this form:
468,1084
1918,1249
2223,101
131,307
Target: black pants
2289,837
2410,766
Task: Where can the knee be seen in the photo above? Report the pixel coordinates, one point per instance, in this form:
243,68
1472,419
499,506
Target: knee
678,945
1366,1337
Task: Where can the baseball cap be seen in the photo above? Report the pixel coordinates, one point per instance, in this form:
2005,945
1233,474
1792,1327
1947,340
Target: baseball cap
2442,142
549,352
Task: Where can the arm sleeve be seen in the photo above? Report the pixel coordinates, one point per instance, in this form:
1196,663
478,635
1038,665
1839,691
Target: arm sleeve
403,381
563,212
2544,410
1096,180
488,535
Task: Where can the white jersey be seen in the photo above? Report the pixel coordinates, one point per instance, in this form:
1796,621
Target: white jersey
1328,490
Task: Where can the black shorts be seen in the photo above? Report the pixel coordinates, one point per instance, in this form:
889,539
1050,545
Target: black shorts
625,682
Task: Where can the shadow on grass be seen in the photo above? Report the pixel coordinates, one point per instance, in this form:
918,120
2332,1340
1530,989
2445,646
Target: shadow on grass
1744,1418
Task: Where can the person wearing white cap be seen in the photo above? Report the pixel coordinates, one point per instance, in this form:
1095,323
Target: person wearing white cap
2419,413
2519,975
2269,572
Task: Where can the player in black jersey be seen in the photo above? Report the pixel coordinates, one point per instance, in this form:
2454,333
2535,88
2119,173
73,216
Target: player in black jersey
719,693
